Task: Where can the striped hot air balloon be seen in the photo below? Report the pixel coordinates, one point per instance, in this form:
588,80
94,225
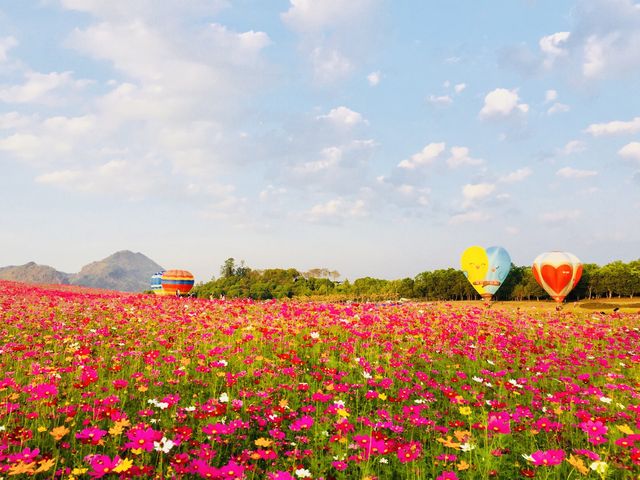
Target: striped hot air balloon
173,281
156,283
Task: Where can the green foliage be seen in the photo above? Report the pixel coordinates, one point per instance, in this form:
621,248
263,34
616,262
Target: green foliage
614,279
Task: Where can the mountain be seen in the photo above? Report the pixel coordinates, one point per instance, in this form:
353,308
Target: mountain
125,271
33,273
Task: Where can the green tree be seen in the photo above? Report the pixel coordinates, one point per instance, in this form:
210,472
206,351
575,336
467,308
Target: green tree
228,268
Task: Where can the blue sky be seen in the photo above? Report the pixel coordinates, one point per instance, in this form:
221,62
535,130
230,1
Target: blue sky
370,137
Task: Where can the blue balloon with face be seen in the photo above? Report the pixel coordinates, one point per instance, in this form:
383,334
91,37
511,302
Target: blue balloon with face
499,266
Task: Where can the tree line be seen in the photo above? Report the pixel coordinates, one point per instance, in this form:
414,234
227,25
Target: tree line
616,279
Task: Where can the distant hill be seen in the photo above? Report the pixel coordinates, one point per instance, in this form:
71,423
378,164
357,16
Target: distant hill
33,273
124,271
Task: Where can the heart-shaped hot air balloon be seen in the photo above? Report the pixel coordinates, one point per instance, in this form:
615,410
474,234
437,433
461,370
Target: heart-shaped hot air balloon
177,282
557,272
485,269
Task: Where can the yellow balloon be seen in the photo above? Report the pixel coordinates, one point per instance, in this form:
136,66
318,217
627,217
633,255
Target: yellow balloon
475,264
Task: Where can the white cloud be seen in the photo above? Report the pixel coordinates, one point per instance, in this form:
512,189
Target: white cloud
271,192
469,217
374,78
343,116
608,37
334,35
552,47
631,151
425,157
568,172
127,9
460,157
330,158
559,216
502,103
460,87
472,193
614,128
516,176
14,120
33,147
550,96
439,100
330,65
558,108
38,87
338,209
573,146
311,15
6,44
114,177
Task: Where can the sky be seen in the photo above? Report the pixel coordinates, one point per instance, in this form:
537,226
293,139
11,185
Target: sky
372,137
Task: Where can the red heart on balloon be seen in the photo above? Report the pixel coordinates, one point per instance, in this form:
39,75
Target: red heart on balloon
557,277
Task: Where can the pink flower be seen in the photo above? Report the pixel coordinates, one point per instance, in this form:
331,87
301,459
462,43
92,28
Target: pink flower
102,465
91,435
409,452
447,476
231,471
303,423
499,423
339,465
548,457
142,439
592,428
280,475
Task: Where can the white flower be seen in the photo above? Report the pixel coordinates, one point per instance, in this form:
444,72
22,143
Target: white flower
605,399
224,398
490,362
163,445
467,447
477,379
190,409
2,428
314,335
366,375
303,473
383,460
223,362
528,458
599,467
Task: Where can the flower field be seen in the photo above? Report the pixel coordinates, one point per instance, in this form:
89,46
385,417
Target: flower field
105,385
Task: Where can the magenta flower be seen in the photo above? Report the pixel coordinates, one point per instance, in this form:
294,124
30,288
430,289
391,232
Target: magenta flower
303,423
592,428
339,465
447,476
280,475
499,423
409,452
231,471
142,438
102,465
547,457
91,435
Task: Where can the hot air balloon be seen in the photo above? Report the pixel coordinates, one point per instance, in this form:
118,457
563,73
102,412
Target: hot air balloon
156,283
557,272
485,269
176,282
